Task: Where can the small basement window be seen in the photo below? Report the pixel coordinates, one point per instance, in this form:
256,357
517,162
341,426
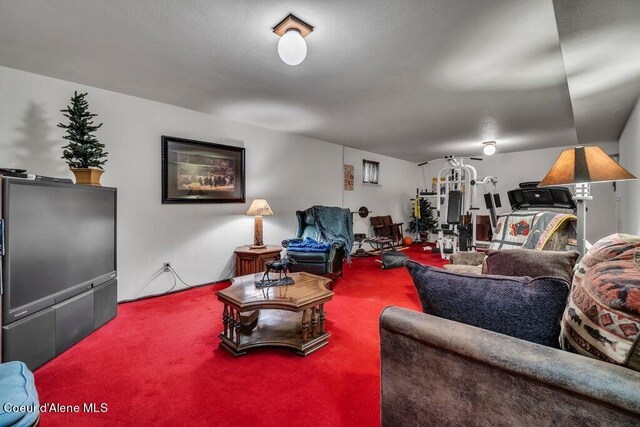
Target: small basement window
370,171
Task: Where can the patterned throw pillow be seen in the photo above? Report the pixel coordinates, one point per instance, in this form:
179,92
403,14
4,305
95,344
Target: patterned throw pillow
602,318
521,307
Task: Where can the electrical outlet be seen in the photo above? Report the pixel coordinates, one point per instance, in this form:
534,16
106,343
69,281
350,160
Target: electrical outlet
167,267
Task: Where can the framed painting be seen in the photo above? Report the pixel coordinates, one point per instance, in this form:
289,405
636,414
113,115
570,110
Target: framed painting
201,172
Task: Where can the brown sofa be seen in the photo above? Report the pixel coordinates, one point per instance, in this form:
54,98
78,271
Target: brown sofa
439,372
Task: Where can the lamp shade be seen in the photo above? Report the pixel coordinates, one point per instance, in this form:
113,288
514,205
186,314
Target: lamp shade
259,207
584,165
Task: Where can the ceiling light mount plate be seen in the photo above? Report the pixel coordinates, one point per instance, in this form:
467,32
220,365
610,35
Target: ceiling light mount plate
292,22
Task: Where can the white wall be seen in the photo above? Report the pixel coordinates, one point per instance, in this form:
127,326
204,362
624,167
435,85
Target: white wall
391,196
514,168
630,160
291,172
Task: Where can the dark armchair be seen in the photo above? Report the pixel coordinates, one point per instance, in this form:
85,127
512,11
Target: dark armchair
323,224
384,227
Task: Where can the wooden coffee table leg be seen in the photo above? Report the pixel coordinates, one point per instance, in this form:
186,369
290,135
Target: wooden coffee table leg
225,320
305,326
237,325
322,318
314,321
232,323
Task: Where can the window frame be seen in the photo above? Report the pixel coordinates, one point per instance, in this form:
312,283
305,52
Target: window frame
375,164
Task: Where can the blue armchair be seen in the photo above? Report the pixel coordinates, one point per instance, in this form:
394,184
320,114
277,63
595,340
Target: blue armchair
331,225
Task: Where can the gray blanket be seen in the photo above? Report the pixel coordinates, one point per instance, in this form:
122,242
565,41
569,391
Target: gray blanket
333,224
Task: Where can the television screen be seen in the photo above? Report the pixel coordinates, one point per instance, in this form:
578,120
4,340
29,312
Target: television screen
58,237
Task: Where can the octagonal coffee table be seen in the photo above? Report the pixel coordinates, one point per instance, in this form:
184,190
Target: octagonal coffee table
285,316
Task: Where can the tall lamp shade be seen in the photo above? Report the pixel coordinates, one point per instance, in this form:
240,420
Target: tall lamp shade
582,166
258,209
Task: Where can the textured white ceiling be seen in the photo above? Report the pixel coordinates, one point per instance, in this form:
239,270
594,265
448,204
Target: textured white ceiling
600,41
410,79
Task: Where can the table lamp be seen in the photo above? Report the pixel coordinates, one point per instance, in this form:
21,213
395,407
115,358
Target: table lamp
582,166
258,209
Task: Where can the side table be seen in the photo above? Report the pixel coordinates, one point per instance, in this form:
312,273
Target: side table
251,261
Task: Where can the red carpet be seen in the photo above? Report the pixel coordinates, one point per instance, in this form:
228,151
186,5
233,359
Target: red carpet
158,363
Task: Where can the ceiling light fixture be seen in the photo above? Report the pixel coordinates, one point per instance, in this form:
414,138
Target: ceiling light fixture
292,48
489,148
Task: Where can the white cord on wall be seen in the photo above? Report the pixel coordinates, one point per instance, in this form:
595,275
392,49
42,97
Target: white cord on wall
175,276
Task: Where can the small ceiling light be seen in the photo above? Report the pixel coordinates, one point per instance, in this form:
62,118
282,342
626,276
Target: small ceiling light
489,148
292,48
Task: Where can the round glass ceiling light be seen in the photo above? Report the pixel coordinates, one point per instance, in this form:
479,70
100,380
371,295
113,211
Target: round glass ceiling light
292,48
489,148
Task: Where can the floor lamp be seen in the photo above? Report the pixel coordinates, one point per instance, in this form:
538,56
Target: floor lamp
582,166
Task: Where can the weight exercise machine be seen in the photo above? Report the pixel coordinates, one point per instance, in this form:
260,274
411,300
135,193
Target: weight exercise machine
359,238
456,195
491,201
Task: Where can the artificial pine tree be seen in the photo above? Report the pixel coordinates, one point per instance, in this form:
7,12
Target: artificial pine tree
83,150
426,221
